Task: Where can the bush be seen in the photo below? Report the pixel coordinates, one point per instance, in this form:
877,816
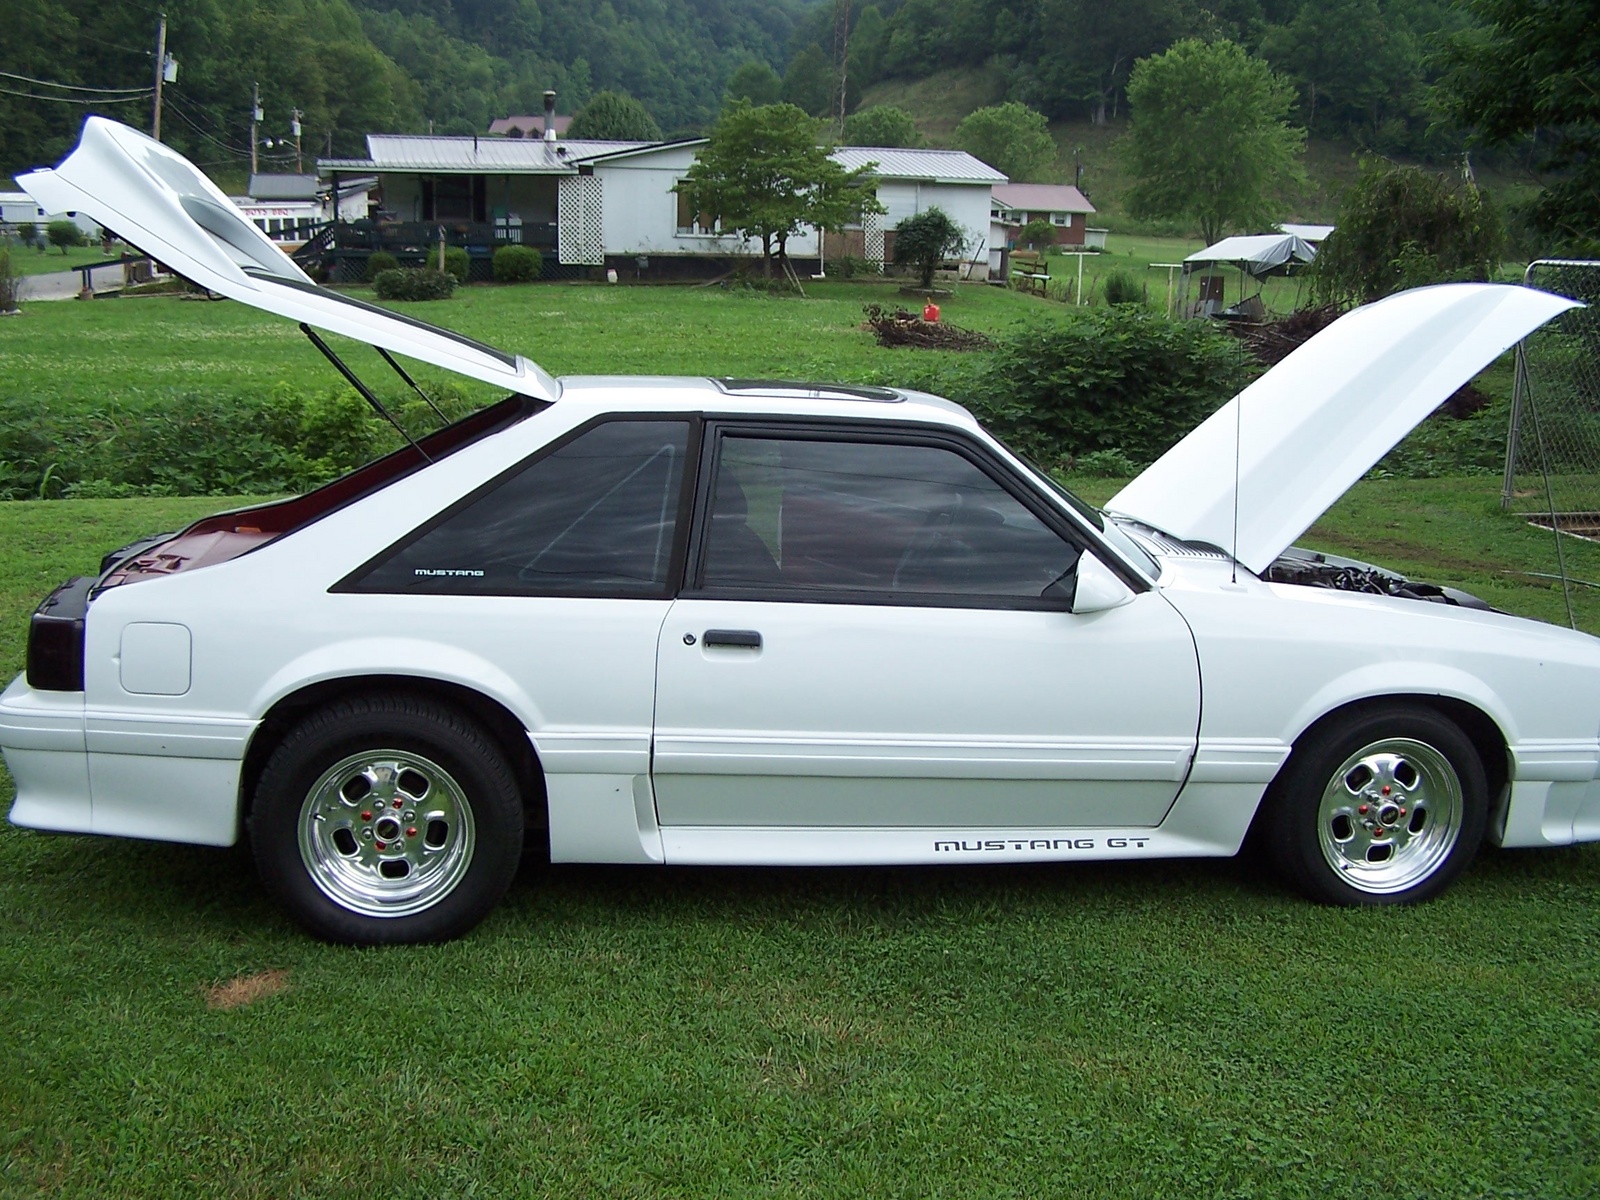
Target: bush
517,264
927,239
199,444
1037,234
28,232
380,261
1123,288
457,262
402,284
64,233
1106,379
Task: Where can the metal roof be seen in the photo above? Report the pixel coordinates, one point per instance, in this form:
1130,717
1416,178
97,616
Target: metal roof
935,166
283,187
529,156
471,155
1043,197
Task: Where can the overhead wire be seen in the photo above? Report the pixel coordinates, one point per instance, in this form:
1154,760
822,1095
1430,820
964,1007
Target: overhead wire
91,100
73,87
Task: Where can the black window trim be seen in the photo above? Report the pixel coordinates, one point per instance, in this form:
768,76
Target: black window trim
351,583
719,426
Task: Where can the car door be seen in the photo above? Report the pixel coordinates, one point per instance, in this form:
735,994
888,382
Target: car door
876,632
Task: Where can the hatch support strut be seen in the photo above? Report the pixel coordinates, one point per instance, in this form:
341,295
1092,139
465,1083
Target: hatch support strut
401,371
366,392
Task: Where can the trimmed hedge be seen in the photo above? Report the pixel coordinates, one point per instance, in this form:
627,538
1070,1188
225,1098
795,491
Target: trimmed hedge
457,262
402,284
517,264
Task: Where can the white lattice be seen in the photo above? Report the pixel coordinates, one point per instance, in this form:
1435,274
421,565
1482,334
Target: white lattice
580,227
872,231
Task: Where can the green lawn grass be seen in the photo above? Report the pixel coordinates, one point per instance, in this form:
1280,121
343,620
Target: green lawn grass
1167,1029
25,261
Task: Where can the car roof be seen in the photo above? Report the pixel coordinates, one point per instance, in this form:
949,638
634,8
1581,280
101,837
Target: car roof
671,393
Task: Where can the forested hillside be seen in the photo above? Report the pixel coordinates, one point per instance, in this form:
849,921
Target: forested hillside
1362,67
358,66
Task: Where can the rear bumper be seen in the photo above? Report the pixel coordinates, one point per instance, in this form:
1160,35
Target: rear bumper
129,774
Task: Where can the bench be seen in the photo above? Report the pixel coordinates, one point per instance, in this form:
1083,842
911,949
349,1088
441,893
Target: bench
1030,271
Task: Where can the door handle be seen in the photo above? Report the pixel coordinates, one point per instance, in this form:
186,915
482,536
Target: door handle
744,639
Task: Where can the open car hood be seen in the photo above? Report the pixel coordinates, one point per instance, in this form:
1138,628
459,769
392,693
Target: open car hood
1318,421
159,201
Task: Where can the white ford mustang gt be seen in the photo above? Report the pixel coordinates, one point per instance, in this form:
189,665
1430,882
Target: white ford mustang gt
650,620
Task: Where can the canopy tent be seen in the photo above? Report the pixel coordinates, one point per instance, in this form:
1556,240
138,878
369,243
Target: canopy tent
1256,256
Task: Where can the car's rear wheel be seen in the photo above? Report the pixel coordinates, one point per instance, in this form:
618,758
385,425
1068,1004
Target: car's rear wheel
387,819
1386,807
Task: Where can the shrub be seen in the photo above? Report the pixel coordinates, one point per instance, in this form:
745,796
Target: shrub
1037,234
64,233
28,232
380,261
925,240
402,284
1123,288
518,264
457,262
1106,379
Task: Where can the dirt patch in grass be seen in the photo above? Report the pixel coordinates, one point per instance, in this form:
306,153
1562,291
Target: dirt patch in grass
244,990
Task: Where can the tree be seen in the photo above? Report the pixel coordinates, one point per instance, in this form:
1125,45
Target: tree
1208,141
810,82
756,82
1401,227
616,117
1012,138
926,240
64,233
763,175
1527,77
882,125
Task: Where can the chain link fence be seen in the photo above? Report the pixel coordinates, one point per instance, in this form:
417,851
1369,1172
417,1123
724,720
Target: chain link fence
1552,468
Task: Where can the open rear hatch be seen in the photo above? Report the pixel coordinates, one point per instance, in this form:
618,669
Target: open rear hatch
159,201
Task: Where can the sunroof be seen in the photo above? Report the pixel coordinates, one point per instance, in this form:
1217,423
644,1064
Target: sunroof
796,389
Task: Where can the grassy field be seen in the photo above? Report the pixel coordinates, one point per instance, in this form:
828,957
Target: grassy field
32,262
1166,1029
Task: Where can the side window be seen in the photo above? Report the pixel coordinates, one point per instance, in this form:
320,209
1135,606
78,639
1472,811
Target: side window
595,517
909,522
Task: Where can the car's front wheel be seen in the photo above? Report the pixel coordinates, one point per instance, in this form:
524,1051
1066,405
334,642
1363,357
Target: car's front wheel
387,819
1386,807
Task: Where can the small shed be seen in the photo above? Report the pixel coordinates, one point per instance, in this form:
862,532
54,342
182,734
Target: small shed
1255,257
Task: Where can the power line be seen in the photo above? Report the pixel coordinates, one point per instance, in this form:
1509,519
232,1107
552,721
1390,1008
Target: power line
76,100
72,87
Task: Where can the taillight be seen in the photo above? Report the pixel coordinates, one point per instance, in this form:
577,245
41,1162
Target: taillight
55,638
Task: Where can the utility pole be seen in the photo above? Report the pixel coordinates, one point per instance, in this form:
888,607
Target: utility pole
841,50
294,127
161,73
255,122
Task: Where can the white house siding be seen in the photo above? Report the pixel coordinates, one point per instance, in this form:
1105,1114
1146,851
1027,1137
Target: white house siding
965,203
642,210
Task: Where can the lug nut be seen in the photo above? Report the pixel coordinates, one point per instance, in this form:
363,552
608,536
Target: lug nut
399,804
1362,809
411,831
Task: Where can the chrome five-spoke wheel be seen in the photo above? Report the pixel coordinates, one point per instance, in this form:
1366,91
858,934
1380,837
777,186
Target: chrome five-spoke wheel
386,833
1385,806
1390,815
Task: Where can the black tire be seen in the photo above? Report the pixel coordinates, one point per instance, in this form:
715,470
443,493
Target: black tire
1385,807
386,819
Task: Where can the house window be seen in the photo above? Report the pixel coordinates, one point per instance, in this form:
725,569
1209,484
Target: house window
692,224
1062,219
